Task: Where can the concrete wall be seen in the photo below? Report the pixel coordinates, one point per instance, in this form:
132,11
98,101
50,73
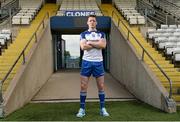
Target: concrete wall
128,68
32,75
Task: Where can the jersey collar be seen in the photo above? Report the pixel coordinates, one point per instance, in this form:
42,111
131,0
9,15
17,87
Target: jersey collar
91,30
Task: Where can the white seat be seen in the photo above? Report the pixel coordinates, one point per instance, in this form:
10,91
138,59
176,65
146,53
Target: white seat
173,26
163,45
164,26
172,50
30,15
151,30
157,34
128,15
2,41
6,31
16,20
25,20
133,11
151,34
136,14
132,20
32,11
141,20
160,39
161,30
169,50
6,36
177,30
177,57
20,14
23,10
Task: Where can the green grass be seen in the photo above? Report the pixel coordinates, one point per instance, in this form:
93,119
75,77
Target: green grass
132,110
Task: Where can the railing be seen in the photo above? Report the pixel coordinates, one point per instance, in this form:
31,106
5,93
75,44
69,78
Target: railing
174,6
9,9
144,51
22,54
160,19
5,24
164,4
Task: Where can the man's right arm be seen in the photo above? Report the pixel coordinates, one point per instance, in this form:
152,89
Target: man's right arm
84,45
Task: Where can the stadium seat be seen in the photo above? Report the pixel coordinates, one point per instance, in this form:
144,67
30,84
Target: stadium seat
16,20
3,43
173,26
141,19
25,20
132,20
177,57
74,5
164,26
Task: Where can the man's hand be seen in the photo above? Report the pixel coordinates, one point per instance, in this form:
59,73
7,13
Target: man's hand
85,46
88,42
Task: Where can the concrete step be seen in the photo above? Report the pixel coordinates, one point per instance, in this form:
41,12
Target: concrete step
174,84
176,97
175,90
173,79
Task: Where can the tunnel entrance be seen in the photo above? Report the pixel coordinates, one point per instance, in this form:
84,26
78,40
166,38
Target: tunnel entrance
65,33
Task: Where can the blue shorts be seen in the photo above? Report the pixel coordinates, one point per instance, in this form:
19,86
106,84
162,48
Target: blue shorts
89,68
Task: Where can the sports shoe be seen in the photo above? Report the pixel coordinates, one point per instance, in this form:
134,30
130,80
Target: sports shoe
103,112
80,113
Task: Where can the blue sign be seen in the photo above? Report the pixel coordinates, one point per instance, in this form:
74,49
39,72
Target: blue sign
79,13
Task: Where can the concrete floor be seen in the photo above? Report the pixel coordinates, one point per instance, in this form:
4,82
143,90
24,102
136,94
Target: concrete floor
65,86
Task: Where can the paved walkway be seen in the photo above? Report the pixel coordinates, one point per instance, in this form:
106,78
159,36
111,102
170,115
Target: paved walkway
65,86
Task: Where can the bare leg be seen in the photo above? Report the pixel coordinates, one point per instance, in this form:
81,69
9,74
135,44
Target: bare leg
84,83
83,92
100,83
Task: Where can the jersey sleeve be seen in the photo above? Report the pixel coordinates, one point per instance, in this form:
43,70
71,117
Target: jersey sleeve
82,37
103,35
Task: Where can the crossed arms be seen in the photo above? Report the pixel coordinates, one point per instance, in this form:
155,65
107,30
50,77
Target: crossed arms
88,44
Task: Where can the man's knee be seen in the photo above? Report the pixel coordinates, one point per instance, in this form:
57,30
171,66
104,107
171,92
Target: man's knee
84,85
101,86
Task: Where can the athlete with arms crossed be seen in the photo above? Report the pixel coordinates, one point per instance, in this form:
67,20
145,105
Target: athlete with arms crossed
92,42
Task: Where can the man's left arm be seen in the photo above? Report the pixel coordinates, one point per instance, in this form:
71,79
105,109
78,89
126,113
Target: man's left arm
99,44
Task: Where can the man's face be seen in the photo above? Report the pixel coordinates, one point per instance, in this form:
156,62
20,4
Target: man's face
92,22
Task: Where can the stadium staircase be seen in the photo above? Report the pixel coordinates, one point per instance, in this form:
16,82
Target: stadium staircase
10,55
166,66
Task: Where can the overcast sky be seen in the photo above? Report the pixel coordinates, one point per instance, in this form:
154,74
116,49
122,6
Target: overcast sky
72,44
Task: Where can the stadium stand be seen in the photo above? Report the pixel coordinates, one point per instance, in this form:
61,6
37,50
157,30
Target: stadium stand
8,57
129,12
28,11
166,66
78,5
167,40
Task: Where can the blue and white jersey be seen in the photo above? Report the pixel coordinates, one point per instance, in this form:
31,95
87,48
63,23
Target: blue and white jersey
93,54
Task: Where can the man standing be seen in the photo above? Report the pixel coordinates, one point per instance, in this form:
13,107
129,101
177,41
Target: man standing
92,42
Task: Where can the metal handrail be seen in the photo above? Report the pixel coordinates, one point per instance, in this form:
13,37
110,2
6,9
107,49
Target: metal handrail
172,5
9,3
145,51
149,7
23,51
